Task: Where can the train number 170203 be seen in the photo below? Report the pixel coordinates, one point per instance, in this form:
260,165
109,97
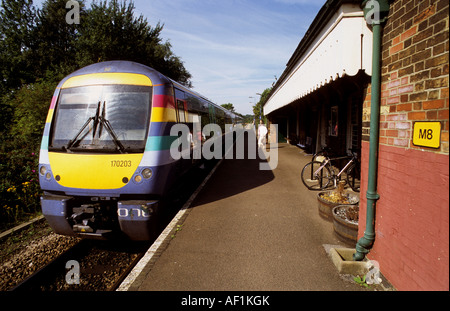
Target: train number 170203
121,163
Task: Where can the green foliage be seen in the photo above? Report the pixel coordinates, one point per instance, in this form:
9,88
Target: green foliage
248,118
361,281
54,42
110,31
19,150
258,108
16,24
31,106
228,106
37,49
40,44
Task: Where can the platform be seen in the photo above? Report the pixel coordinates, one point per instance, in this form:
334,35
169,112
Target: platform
248,230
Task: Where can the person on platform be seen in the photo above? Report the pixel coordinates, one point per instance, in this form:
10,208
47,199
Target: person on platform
262,132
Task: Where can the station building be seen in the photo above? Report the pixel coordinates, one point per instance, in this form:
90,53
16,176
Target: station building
328,96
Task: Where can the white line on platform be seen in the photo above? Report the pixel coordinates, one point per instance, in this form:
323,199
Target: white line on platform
163,237
152,252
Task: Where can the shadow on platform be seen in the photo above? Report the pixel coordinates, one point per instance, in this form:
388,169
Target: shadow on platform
234,176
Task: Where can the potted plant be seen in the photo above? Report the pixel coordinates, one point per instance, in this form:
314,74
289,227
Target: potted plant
345,222
330,199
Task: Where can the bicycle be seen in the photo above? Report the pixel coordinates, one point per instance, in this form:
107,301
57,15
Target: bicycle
321,154
317,175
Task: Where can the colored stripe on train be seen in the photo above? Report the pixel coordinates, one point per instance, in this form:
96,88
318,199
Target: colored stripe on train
107,78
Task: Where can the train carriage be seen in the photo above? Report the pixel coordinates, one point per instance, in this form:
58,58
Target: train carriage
105,159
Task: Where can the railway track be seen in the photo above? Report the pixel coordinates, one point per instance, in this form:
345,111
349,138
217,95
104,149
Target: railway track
88,266
95,265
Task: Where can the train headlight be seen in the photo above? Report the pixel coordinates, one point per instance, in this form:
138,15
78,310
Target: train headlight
138,178
42,170
147,173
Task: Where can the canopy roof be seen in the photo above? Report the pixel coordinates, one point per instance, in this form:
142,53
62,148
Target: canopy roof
337,43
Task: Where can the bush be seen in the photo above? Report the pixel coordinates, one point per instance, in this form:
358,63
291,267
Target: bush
19,153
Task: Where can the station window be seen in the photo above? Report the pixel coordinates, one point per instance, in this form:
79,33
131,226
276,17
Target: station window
333,130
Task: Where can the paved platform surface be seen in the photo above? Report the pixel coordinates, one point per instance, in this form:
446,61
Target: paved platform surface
250,230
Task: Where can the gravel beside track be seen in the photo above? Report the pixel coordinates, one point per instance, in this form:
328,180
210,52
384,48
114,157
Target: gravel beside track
102,263
24,252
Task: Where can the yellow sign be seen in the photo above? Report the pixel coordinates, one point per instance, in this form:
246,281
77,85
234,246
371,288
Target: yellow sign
427,134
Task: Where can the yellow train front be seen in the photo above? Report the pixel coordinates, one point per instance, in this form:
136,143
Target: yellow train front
105,160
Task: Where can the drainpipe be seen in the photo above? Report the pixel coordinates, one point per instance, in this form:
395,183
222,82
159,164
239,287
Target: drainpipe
375,13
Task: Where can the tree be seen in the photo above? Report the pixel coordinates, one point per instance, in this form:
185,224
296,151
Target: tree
19,148
41,44
31,104
228,106
248,118
37,49
258,107
110,31
16,24
54,45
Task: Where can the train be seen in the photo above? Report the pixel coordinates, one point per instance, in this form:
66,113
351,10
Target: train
106,159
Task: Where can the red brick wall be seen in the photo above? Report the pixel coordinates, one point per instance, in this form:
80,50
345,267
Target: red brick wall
412,215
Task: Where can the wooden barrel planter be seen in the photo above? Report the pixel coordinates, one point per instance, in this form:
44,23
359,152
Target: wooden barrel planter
326,207
345,222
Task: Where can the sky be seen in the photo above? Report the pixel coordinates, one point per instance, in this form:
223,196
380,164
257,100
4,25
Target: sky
233,49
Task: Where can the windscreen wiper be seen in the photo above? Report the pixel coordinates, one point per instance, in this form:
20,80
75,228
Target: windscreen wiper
103,117
75,140
111,132
103,123
106,124
96,119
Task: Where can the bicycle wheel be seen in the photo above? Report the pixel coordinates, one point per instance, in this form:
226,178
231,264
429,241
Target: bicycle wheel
353,177
316,182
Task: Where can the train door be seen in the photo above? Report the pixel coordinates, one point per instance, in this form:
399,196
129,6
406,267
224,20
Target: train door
182,117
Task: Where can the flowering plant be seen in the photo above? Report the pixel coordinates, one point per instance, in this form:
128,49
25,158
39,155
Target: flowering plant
20,195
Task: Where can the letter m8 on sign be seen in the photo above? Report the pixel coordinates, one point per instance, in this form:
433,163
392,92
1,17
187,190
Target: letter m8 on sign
427,134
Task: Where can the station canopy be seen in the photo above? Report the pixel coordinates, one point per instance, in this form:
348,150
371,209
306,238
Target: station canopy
338,43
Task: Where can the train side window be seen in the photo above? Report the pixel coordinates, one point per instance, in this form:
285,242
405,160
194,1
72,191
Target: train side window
181,111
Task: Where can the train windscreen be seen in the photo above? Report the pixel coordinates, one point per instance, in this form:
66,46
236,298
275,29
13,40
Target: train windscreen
102,118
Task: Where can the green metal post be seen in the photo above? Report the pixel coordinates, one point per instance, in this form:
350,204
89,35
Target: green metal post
382,8
365,243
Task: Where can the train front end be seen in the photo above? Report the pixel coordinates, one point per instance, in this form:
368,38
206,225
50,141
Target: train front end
95,178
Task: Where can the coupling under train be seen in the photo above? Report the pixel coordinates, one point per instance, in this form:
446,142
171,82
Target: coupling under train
105,161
